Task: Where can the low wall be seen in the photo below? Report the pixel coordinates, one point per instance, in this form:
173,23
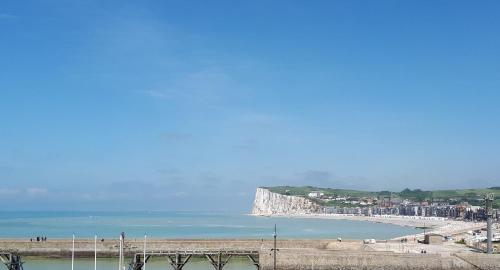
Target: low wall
109,247
377,261
482,261
292,255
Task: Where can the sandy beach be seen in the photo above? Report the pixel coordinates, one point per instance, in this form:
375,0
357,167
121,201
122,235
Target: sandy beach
443,226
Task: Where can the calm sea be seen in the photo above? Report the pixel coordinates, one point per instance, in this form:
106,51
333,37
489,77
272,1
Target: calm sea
110,264
185,225
175,225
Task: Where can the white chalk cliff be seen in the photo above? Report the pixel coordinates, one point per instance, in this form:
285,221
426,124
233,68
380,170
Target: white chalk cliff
270,203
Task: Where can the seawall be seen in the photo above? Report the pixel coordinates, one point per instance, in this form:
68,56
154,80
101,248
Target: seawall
292,255
366,260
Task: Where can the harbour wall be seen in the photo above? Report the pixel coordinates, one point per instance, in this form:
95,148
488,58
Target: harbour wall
292,254
355,260
109,247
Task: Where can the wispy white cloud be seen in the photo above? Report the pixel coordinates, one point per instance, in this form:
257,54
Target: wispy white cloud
174,67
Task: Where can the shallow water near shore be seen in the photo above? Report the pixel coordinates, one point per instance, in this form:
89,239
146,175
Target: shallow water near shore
186,225
32,263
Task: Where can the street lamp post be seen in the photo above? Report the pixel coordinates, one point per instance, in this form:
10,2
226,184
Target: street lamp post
274,249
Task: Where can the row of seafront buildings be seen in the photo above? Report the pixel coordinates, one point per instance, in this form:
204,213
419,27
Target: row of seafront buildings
399,207
368,206
461,211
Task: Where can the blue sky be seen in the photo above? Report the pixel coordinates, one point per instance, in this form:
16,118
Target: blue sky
192,104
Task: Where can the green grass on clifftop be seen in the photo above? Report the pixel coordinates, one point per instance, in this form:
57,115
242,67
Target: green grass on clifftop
303,191
472,196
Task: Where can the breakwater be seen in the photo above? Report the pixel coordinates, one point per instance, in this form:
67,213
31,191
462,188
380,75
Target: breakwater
292,255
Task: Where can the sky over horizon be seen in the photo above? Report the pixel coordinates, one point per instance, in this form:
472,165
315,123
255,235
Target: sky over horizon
182,105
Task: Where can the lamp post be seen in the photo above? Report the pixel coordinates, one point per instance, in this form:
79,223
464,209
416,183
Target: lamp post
274,249
95,252
73,253
144,263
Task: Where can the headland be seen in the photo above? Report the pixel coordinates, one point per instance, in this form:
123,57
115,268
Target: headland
442,218
446,244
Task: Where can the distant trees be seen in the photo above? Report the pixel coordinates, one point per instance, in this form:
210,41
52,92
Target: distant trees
470,195
416,194
384,193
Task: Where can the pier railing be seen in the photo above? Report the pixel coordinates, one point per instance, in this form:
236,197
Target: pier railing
179,258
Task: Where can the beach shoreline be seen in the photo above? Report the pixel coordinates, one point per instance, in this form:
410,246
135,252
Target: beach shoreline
438,225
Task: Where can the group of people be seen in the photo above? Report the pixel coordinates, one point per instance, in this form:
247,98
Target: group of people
39,239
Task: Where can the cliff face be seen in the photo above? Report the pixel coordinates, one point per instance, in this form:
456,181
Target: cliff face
270,203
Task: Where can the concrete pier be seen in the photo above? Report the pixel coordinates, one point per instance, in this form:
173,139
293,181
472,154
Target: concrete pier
292,255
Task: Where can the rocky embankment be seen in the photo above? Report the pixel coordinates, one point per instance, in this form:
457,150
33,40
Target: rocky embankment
270,203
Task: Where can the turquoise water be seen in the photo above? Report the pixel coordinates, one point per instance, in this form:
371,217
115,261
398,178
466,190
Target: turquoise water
110,264
185,225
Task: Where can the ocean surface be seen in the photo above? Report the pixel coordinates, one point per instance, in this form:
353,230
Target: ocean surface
185,225
175,225
112,264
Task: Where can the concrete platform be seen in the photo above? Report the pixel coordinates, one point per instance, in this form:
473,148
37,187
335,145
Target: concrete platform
292,255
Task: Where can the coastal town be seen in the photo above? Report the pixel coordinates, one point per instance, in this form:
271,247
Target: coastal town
393,205
461,222
464,205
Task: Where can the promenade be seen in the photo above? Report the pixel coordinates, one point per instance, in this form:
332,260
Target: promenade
293,254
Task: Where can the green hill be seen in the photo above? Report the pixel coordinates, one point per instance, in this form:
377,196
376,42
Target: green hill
473,196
